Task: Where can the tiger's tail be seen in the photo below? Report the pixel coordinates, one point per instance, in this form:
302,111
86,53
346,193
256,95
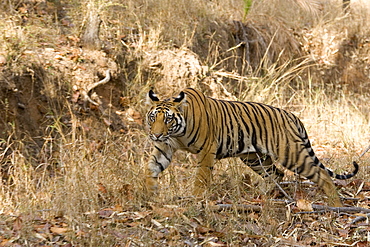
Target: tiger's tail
332,174
318,163
341,176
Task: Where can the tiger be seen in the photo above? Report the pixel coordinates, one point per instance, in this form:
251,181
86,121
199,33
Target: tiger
261,135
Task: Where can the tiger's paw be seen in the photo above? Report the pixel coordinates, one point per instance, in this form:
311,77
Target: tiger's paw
199,191
151,185
335,202
198,194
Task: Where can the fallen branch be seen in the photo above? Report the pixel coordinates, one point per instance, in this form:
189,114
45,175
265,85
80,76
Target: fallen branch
317,208
360,218
322,209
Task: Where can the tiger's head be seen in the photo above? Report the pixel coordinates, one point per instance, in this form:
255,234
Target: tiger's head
165,118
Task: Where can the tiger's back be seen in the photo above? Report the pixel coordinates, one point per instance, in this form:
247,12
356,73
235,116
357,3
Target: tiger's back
259,134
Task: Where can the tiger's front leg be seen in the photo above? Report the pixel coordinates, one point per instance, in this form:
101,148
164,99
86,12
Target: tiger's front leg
204,173
159,160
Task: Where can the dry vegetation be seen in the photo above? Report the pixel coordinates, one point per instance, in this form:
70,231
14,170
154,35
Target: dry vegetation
71,171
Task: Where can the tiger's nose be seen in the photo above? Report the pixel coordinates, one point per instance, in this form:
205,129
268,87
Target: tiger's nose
157,135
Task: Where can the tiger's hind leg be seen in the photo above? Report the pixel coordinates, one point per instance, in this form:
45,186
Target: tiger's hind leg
324,181
263,167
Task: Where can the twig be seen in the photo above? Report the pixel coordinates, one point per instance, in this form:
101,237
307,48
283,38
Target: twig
297,182
312,212
359,218
105,80
364,152
240,207
349,198
276,183
85,93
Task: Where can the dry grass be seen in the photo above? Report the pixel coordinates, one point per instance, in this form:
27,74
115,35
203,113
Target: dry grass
68,177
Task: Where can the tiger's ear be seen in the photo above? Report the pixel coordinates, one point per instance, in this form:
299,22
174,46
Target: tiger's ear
180,97
180,101
152,97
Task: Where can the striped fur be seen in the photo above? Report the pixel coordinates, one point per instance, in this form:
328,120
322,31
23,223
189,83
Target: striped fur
261,135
